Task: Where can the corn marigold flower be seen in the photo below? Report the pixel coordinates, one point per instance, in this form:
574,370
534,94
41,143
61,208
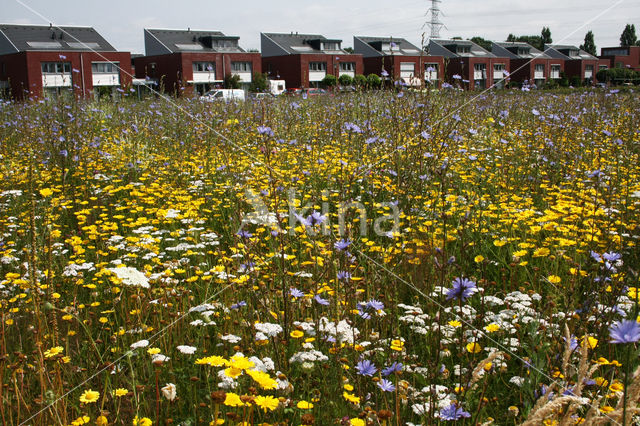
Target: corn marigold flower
304,405
89,396
267,402
144,421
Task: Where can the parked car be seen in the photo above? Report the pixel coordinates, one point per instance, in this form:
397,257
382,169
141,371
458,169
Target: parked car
261,95
316,92
294,91
223,95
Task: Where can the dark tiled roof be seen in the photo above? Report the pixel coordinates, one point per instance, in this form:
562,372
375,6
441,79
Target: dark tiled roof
44,37
506,45
403,47
301,43
195,40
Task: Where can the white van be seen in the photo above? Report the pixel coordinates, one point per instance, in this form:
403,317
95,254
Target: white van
224,95
277,87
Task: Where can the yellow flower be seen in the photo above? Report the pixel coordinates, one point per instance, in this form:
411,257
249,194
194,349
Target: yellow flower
296,334
50,353
541,252
591,342
554,279
153,351
478,259
145,421
233,400
304,405
214,361
102,421
120,392
348,387
357,422
491,328
263,379
267,402
473,348
241,362
46,192
89,396
351,398
455,323
81,421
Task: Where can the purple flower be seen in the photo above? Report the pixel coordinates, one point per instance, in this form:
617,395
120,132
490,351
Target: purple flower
313,219
376,305
320,300
342,244
244,234
611,256
384,73
453,412
264,130
352,127
366,368
386,385
462,289
396,367
239,305
344,275
295,292
627,331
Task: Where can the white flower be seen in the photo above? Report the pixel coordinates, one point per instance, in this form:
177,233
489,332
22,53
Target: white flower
140,344
131,276
188,350
159,358
269,329
231,338
169,391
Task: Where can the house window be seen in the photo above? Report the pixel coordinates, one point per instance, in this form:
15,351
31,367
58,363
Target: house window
540,68
56,67
104,67
347,66
241,66
463,49
330,46
555,71
588,71
317,66
523,51
496,67
204,67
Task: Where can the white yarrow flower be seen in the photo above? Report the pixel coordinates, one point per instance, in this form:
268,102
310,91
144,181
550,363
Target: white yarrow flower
131,276
188,350
140,344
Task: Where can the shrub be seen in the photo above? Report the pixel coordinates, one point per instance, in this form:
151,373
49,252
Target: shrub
345,80
360,81
373,81
329,80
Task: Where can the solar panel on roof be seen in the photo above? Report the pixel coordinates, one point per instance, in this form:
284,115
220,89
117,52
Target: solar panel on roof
81,45
44,44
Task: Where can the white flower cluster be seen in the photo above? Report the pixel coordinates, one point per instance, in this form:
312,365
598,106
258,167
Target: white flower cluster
131,277
342,331
267,330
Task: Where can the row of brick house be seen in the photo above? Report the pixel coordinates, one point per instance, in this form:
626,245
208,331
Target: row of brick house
37,60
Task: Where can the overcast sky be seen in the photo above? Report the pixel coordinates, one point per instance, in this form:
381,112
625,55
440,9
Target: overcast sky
121,21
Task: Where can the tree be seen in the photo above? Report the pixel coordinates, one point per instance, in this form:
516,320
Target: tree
546,37
259,83
628,37
231,81
348,49
485,44
589,45
511,38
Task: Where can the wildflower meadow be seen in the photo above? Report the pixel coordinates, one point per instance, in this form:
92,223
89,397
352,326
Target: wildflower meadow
411,258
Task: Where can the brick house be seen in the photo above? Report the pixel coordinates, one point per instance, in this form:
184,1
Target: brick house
303,60
399,59
528,64
469,65
190,62
44,60
577,63
622,57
